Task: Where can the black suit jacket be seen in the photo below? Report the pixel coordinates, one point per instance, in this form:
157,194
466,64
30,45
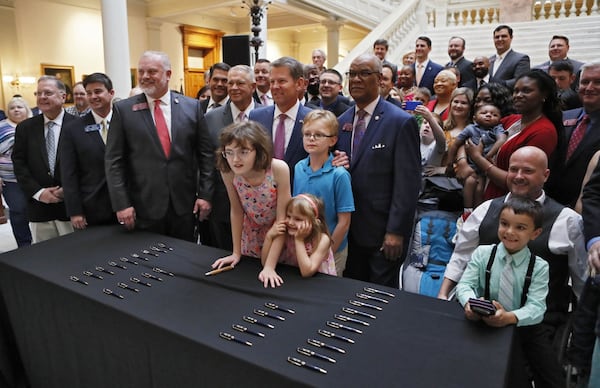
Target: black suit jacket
137,170
564,184
512,67
204,105
82,171
466,70
338,107
30,161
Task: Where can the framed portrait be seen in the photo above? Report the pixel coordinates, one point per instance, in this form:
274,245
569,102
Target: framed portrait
64,73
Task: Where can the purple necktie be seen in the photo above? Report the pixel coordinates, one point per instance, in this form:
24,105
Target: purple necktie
577,136
264,100
279,142
359,130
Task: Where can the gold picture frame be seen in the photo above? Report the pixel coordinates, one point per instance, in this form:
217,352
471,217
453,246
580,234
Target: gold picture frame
65,73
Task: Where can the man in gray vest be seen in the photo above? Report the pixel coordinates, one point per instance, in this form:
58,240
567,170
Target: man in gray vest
561,244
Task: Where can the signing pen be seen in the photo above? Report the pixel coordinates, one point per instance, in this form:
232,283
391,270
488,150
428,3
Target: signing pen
363,304
375,291
356,312
273,306
320,344
310,353
300,363
263,313
330,334
337,325
257,322
244,329
231,337
218,270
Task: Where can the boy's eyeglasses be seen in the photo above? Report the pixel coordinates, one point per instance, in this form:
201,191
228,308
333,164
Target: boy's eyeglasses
316,136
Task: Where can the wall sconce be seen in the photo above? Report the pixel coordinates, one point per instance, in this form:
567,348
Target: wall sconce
17,82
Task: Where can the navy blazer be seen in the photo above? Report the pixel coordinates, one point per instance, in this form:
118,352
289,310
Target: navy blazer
30,162
295,150
428,76
512,67
386,173
82,171
566,176
137,170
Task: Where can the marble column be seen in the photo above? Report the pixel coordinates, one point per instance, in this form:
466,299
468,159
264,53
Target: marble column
333,40
116,45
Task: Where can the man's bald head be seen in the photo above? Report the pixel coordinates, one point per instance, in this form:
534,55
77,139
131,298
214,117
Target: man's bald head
527,172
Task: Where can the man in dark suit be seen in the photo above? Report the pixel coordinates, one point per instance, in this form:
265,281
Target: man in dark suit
385,164
563,75
456,49
506,65
386,85
330,86
262,94
240,87
425,69
582,129
311,77
283,121
481,66
380,49
159,158
37,163
82,155
558,50
218,87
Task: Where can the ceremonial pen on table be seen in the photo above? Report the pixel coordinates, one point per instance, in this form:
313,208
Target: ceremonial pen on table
345,318
76,279
300,363
160,270
257,322
101,269
336,325
273,306
244,329
310,353
111,293
127,287
356,312
92,275
375,291
369,297
330,334
363,304
218,270
138,281
231,337
320,344
263,313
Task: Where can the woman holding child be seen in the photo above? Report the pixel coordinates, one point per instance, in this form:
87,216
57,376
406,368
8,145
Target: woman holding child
540,125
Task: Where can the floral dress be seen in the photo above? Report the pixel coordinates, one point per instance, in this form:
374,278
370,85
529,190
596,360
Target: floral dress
259,204
289,256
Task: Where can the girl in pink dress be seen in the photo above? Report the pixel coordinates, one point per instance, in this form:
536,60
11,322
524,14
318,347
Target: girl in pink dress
258,188
308,243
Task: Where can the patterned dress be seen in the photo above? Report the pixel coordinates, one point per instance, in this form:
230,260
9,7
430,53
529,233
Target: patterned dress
289,256
259,204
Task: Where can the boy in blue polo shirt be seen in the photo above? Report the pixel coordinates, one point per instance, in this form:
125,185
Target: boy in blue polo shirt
316,175
516,281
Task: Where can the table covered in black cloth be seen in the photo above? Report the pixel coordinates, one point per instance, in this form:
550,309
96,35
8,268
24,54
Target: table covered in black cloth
167,335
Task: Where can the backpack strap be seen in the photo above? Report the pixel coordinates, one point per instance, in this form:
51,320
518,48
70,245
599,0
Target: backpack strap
488,273
527,282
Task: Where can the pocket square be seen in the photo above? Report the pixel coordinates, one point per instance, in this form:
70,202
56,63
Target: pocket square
92,127
378,146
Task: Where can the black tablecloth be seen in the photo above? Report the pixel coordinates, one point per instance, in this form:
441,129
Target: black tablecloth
167,335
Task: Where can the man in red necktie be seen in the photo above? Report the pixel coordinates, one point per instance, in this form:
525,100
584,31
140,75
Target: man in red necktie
159,159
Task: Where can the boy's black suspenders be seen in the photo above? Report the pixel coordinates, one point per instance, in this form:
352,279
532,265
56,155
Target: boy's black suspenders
526,284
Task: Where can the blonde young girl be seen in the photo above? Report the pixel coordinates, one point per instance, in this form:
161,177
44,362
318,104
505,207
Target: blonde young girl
258,188
308,243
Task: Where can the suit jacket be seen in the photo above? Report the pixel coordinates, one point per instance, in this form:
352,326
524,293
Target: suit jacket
564,183
386,173
204,105
337,108
512,67
137,170
429,74
591,206
295,150
82,171
465,67
216,121
30,161
576,65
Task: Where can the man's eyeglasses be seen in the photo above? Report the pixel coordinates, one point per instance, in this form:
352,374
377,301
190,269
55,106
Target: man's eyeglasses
316,136
328,82
361,74
242,154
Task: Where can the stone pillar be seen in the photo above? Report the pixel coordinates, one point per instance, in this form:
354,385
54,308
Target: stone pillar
333,40
116,45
